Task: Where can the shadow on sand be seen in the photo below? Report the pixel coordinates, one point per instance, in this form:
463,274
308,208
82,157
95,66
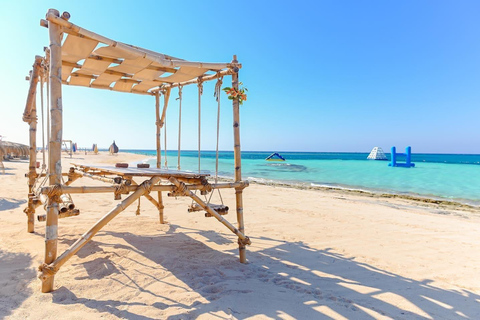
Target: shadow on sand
15,275
10,203
287,278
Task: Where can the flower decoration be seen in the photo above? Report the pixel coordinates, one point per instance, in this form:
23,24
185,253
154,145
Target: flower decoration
237,94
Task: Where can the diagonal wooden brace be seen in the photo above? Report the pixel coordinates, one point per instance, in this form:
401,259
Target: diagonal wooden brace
49,270
241,237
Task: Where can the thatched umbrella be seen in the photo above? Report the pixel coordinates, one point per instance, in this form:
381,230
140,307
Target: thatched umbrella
113,148
13,149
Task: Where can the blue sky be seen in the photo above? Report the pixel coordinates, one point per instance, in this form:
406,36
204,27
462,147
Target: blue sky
322,75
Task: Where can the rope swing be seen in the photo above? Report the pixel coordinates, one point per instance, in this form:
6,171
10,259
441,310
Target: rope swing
165,131
200,92
216,94
158,124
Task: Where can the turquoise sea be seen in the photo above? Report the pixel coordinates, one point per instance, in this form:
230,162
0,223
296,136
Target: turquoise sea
446,176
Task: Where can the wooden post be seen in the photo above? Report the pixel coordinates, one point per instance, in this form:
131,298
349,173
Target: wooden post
159,126
238,164
30,115
159,151
32,169
55,145
160,207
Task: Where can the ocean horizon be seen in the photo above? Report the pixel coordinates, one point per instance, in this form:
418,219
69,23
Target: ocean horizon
453,177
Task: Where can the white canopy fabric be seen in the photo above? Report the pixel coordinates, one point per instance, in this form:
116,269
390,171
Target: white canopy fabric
87,61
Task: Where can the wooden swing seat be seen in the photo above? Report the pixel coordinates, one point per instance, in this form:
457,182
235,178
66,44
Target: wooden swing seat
219,208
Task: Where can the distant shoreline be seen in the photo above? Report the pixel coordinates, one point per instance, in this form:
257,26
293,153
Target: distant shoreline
466,204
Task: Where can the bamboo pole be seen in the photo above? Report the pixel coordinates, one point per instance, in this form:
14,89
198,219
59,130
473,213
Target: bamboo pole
159,127
166,97
32,168
244,239
49,269
93,177
159,124
238,164
106,88
135,51
55,144
164,188
70,213
204,78
67,203
32,89
160,208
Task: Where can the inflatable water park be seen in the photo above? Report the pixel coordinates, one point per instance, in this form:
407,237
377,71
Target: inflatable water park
275,157
408,158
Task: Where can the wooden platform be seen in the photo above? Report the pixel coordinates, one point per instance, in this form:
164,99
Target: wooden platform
139,172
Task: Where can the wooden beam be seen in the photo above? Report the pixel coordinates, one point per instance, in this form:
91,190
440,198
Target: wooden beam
34,77
165,188
194,81
32,168
96,86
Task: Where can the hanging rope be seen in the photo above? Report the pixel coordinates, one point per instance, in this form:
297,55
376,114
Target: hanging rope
179,123
216,94
165,137
137,212
200,92
218,88
159,129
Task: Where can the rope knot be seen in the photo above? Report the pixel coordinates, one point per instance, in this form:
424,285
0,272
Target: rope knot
54,191
200,85
180,88
206,185
120,189
147,186
181,189
245,241
46,271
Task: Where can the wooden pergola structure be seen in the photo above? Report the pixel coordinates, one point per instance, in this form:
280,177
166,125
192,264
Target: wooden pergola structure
90,60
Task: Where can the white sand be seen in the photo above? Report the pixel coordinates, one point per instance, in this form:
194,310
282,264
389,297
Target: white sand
314,255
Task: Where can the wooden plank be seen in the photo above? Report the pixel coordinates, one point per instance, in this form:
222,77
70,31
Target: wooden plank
142,172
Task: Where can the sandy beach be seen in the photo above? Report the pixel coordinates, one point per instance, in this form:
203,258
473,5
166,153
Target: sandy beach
315,254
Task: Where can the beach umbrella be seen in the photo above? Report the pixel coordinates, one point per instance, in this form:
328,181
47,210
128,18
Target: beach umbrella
113,148
95,149
74,147
13,149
